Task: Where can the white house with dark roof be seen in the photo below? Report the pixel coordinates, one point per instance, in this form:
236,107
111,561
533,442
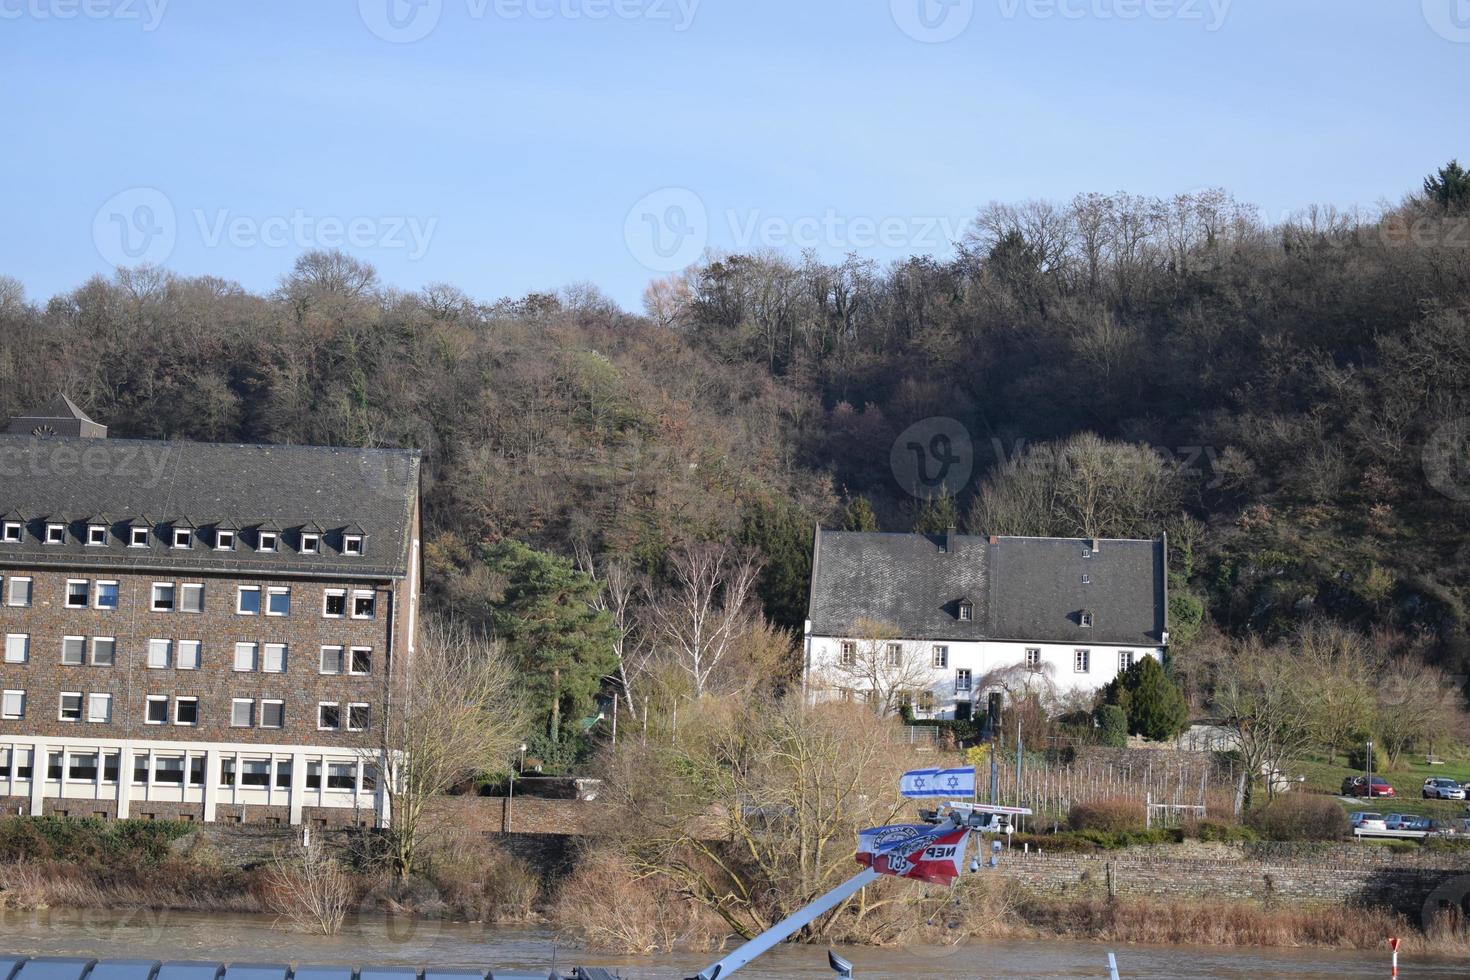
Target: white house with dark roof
936,620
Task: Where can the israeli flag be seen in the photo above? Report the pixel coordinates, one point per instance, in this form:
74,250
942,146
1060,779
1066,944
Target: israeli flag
923,784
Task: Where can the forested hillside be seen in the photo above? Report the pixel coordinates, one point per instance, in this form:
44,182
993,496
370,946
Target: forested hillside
1288,379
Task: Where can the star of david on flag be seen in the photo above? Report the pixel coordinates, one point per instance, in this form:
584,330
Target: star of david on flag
924,784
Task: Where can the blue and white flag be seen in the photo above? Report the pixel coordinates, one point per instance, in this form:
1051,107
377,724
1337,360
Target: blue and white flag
923,784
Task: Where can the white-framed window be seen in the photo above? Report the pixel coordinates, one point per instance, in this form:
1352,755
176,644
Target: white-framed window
96,535
104,651
342,776
73,651
224,540
156,710
105,595
311,542
247,601
183,538
332,660
255,773
265,540
1082,661
272,714
188,654
13,705
274,661
964,681
17,648
352,545
967,612
168,770
278,601
99,709
1086,619
247,657
364,605
242,713
186,712
360,660
1033,658
893,654
19,592
359,717
1125,660
191,597
164,597
11,532
847,653
70,706
56,534
926,702
1087,551
78,593
334,603
941,657
160,654
137,537
328,716
81,767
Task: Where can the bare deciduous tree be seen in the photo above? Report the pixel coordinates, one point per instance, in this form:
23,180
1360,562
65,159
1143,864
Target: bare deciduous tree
697,619
619,599
879,665
310,889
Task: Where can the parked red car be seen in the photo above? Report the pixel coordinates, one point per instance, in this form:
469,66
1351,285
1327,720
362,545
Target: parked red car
1380,787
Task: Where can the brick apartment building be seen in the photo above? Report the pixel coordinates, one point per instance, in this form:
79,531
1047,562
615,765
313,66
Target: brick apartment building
198,631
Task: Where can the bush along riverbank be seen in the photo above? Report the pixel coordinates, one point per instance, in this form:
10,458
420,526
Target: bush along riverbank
1083,886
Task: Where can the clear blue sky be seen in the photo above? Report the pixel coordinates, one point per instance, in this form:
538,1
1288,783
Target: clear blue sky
509,148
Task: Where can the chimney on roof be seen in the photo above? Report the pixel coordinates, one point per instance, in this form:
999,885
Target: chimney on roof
949,540
60,418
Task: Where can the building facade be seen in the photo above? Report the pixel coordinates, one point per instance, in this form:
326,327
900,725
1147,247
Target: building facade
950,624
203,632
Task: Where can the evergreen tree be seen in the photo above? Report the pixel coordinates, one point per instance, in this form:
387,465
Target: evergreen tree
1112,723
1449,188
562,647
783,537
938,515
1156,708
859,516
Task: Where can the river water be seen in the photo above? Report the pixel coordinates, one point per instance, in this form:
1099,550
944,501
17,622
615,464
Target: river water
382,941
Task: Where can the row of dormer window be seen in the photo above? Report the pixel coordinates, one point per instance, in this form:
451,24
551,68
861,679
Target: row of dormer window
182,538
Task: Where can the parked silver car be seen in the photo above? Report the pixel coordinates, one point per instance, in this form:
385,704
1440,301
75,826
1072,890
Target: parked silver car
1368,821
1442,788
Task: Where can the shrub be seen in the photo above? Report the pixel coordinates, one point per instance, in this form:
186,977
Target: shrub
1218,831
482,881
1111,816
1298,816
1112,724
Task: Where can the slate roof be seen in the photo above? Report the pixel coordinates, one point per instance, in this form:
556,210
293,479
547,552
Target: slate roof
51,480
905,581
1022,588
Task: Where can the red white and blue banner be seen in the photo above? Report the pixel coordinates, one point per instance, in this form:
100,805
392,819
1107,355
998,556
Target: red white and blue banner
924,784
933,858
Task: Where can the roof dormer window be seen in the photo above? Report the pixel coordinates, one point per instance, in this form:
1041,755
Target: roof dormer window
96,535
56,533
137,537
224,539
265,540
352,545
1085,618
11,532
967,611
183,537
311,542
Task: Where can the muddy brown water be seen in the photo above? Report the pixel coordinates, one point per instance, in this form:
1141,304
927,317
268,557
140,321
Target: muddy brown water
258,939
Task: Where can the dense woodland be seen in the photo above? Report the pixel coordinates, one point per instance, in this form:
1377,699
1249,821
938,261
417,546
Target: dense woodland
1289,400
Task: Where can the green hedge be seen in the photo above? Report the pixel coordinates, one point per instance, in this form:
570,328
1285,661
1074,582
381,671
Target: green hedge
88,841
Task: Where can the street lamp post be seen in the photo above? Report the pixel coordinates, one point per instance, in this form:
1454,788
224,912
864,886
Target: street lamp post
1368,772
511,796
